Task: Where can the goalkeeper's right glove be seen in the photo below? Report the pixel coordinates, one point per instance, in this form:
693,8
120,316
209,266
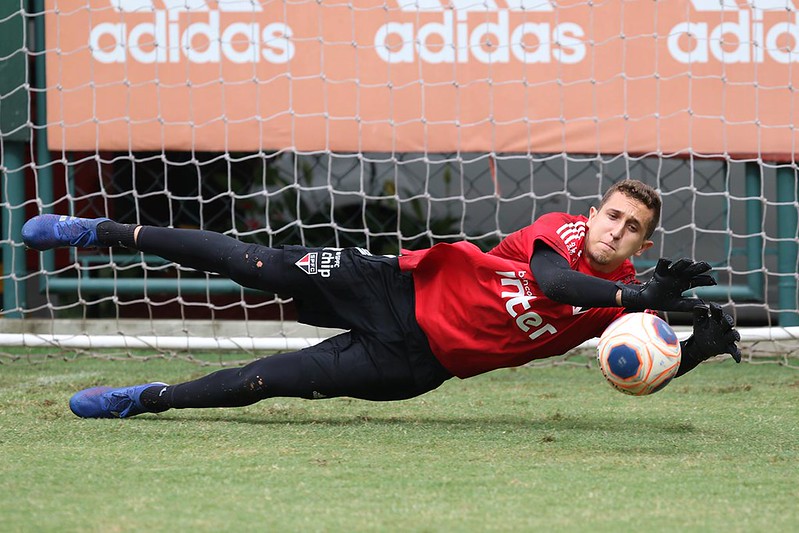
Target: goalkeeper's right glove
714,334
663,291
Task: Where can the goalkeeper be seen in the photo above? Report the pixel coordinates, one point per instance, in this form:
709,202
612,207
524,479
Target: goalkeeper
415,321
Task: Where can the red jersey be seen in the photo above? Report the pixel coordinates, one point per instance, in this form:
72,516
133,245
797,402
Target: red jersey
483,311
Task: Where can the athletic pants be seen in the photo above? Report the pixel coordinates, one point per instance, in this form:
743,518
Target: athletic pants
384,355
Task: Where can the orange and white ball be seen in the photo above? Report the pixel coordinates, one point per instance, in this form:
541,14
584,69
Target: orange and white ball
639,353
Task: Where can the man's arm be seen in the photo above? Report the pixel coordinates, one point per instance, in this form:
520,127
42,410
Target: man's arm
662,292
562,284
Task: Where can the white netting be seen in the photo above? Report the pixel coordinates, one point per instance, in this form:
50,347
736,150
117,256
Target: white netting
388,125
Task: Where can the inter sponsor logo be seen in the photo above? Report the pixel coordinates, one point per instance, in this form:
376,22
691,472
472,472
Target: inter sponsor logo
518,297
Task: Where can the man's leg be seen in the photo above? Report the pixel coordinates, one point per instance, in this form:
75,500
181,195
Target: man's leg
340,366
250,265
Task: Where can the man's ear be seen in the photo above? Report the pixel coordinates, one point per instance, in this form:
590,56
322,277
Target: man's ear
591,214
644,247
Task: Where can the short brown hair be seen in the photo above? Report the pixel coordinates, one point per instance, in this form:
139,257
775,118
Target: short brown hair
641,192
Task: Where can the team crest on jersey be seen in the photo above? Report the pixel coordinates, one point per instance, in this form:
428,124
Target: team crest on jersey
308,263
320,263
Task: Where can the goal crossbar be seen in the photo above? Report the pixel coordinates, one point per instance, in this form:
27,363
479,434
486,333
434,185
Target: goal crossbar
186,343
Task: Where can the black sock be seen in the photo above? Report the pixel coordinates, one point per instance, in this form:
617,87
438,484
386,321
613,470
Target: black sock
154,398
112,233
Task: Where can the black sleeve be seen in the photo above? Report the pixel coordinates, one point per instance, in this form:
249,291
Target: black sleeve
562,284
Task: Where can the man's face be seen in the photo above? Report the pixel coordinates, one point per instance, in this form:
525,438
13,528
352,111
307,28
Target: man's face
616,232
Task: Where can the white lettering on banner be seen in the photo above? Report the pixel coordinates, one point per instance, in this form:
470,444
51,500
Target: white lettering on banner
750,39
521,296
437,32
488,42
166,40
235,6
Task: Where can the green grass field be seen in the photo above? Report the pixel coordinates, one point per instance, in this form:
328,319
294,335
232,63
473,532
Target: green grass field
532,449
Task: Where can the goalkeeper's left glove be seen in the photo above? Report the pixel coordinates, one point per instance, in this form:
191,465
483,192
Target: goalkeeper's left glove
663,291
714,334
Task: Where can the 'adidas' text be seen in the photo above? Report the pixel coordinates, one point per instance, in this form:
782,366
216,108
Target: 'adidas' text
453,41
190,30
762,31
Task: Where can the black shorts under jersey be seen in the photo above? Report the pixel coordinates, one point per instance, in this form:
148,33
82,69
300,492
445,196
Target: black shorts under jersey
385,355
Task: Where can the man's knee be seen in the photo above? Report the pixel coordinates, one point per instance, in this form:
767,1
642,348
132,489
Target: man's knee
257,267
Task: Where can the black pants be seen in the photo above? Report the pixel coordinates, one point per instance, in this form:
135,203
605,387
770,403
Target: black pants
383,356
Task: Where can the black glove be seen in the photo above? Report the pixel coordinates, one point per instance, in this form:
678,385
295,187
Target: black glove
714,334
663,291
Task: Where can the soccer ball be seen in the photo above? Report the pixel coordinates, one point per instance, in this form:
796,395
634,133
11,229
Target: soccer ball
639,353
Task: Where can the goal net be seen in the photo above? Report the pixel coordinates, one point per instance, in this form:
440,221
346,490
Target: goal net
385,124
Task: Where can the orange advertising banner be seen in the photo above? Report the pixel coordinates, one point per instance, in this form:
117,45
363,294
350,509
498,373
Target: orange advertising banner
715,77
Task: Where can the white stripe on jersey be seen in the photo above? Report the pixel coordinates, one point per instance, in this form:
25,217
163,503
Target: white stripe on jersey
571,231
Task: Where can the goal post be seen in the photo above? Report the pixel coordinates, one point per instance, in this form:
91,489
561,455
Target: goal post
385,124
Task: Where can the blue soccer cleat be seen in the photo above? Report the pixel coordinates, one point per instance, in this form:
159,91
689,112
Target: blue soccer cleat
110,402
44,232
